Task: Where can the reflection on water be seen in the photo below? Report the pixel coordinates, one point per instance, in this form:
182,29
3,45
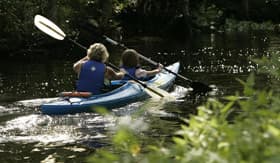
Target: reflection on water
27,135
33,80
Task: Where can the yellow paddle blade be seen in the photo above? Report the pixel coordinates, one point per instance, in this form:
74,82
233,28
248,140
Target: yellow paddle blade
49,27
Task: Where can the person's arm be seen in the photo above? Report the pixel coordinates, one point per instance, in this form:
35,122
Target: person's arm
112,75
141,73
77,65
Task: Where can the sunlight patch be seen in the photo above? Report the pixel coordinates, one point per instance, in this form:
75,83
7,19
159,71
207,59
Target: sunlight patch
36,102
137,125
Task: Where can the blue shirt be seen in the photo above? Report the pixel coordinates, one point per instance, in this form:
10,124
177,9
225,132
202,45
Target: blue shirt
91,77
131,71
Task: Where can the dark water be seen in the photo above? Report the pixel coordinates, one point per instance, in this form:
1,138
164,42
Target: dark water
28,80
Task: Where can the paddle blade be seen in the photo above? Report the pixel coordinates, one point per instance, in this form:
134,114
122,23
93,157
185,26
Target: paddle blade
48,27
157,93
200,88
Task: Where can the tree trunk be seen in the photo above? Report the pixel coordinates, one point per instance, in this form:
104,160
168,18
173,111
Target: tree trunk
187,16
186,9
246,8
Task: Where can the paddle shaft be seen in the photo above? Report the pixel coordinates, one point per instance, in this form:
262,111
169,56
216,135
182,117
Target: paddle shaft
113,42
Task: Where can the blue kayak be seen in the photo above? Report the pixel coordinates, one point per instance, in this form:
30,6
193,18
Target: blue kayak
127,93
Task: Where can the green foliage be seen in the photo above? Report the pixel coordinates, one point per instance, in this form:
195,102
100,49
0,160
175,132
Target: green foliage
252,134
121,5
17,27
17,16
16,19
207,15
235,25
270,65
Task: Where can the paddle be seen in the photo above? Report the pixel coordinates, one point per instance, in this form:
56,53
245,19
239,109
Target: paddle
198,87
154,90
54,31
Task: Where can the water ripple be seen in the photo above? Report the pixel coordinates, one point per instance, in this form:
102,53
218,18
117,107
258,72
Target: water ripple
46,129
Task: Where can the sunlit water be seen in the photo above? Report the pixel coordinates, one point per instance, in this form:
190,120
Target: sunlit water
27,135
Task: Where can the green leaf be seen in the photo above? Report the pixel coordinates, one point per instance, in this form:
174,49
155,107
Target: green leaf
227,107
231,98
179,141
274,131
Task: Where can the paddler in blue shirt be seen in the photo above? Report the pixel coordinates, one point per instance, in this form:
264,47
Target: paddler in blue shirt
92,70
130,64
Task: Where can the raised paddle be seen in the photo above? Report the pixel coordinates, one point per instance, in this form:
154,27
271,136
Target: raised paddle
198,87
54,31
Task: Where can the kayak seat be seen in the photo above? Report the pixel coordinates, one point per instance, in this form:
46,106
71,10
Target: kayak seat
112,85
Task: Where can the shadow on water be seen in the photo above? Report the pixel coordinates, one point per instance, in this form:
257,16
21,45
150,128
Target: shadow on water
27,135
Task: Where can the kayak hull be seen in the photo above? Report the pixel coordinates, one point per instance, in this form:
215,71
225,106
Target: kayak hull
129,92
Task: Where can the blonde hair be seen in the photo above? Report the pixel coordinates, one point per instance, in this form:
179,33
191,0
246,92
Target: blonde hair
130,58
98,52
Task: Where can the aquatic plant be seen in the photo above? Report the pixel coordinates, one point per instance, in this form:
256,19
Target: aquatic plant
244,127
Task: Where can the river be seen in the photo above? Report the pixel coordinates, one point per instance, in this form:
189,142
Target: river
29,79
